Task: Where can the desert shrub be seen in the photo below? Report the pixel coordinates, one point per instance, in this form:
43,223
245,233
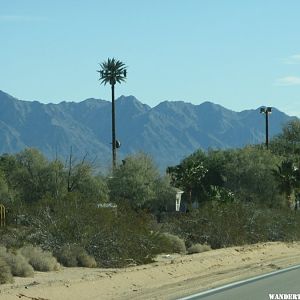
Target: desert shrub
86,260
73,256
17,263
73,221
13,237
119,246
66,256
216,224
39,259
5,273
174,243
7,240
230,224
198,248
19,266
115,238
128,239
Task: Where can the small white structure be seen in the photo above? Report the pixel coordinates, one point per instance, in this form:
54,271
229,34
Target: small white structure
107,205
178,199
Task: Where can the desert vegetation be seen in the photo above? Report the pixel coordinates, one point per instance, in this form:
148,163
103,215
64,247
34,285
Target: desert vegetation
73,215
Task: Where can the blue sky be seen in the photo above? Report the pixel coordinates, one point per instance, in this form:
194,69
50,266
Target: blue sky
240,54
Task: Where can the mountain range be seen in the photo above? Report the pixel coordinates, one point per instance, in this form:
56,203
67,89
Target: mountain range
168,132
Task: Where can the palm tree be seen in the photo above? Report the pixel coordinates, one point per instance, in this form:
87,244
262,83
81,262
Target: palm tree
113,71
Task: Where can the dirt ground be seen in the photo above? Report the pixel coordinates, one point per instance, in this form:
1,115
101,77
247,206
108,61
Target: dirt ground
170,277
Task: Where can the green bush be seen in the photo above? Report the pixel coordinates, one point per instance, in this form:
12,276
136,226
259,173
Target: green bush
40,260
75,256
198,248
17,263
174,243
5,273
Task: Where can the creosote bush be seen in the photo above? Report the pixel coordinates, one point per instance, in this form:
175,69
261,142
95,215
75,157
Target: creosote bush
198,248
5,272
39,259
17,263
75,256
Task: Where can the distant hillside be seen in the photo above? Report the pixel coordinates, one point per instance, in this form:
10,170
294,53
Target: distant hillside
168,132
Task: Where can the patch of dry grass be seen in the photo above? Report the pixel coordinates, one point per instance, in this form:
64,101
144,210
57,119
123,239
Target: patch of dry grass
198,248
75,256
17,263
5,273
176,244
39,259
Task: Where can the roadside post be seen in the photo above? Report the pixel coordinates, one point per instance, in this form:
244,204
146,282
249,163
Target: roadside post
178,199
2,215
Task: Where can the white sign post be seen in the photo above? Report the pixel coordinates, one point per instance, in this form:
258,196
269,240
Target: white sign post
178,199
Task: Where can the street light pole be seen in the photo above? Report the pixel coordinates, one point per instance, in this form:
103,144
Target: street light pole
266,111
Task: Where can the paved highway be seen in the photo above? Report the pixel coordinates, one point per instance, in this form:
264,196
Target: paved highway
286,281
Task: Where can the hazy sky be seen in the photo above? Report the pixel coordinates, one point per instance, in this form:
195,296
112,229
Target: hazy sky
240,54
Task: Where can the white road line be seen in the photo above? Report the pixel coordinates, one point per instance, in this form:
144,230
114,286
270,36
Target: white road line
237,283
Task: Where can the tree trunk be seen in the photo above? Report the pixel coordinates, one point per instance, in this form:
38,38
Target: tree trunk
190,203
290,201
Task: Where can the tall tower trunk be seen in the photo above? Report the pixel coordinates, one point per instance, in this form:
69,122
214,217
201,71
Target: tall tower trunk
267,130
113,126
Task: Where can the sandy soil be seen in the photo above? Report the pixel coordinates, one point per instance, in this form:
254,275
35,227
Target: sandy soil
170,277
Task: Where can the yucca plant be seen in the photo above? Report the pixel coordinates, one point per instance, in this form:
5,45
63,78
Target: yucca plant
287,176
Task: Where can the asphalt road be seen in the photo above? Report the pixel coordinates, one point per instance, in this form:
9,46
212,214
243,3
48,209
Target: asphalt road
285,281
